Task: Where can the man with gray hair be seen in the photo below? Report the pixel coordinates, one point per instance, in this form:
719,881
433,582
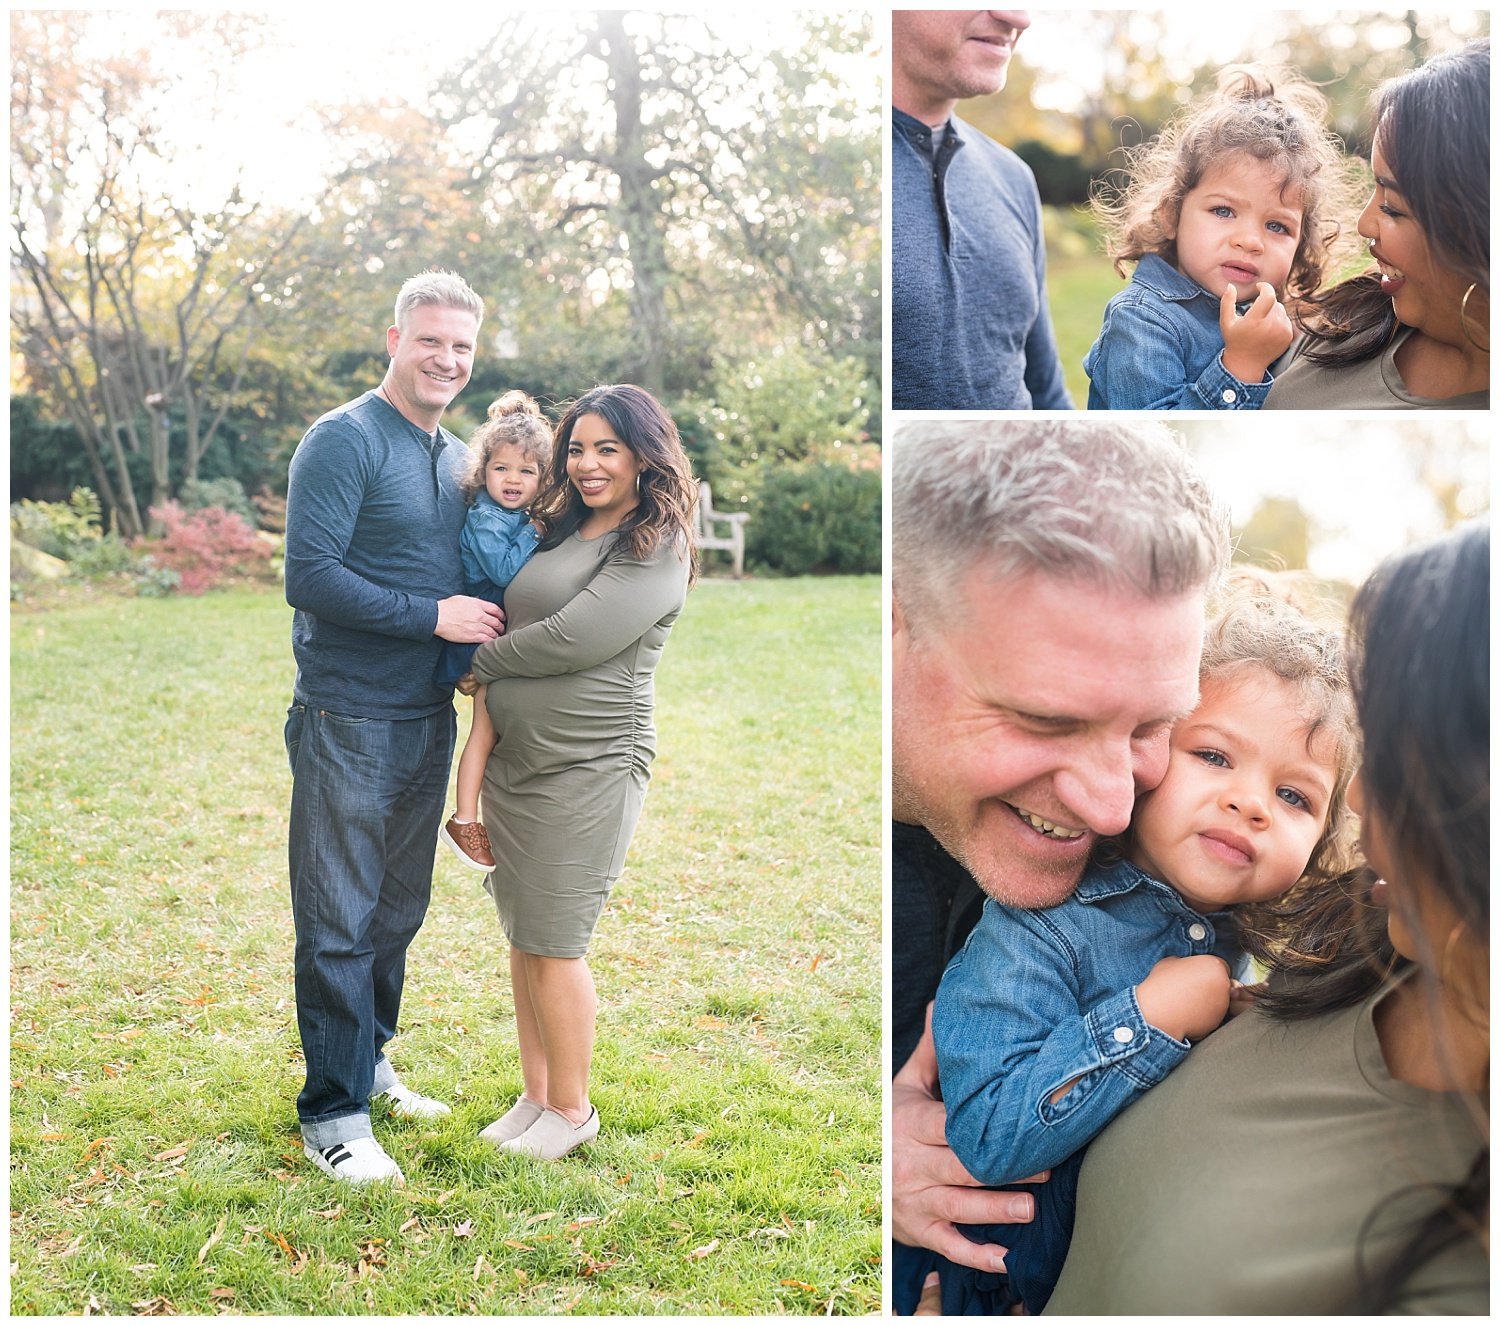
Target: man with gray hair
373,513
1048,587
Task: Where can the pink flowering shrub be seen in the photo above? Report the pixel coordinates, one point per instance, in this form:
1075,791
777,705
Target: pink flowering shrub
203,548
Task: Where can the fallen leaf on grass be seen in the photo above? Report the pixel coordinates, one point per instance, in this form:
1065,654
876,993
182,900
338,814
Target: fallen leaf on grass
696,1140
711,1246
520,1247
175,1153
800,1284
51,1137
410,1224
155,1307
478,1266
94,1147
297,1259
334,1212
588,1266
72,1248
464,1229
817,958
537,1219
222,1295
213,1238
769,1232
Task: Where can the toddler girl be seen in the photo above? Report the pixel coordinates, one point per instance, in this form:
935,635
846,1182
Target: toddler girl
510,451
1049,1022
1225,213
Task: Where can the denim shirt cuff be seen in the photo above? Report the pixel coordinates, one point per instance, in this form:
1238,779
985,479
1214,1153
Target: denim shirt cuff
1124,1039
1219,389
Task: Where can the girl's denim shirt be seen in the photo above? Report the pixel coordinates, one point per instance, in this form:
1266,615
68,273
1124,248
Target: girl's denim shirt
1160,348
1038,997
494,544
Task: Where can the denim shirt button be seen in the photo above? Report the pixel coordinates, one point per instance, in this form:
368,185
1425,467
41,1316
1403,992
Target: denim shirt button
1124,1035
1196,931
1228,396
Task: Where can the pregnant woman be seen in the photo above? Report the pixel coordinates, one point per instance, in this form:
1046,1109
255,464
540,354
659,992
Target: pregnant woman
570,695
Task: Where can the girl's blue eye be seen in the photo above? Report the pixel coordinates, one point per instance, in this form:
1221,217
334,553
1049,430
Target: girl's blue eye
1279,227
1213,757
1293,797
1222,210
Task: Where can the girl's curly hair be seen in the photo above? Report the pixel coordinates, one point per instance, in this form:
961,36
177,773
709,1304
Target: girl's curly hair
1280,122
513,420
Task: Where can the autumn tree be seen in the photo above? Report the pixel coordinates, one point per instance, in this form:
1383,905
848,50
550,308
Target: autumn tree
674,187
133,309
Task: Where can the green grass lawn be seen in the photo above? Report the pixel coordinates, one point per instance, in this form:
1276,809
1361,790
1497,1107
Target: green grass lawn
155,1162
1080,282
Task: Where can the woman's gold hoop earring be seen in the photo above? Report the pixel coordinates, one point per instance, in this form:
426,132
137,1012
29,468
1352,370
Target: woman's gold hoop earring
1463,318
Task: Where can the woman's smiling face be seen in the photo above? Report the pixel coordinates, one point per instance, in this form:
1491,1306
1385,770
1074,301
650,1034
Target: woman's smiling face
603,470
1426,295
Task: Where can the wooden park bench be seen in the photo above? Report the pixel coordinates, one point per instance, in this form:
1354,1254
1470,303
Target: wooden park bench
733,542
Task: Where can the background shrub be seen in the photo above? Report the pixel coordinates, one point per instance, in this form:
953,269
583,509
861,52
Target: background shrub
63,529
203,548
200,494
816,518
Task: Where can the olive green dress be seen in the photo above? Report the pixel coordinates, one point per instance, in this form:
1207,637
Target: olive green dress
571,696
1372,384
1278,1171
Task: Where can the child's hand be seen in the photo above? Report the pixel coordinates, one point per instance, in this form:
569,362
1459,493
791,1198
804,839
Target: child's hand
1185,997
1242,997
1253,341
467,684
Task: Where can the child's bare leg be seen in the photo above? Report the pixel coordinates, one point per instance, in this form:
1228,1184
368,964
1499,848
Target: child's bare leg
471,763
463,832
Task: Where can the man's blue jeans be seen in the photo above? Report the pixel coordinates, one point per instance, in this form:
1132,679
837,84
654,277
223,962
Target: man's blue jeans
367,800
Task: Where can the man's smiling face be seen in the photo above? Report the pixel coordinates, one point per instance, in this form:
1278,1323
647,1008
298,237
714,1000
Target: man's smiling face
1024,726
431,359
945,55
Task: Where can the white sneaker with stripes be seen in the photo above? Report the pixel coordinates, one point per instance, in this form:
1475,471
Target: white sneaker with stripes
359,1160
405,1103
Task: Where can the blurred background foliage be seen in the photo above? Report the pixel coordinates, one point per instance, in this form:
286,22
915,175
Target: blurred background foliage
637,196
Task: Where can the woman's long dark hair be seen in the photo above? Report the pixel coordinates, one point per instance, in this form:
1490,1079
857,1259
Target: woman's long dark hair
668,492
1434,129
1419,665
